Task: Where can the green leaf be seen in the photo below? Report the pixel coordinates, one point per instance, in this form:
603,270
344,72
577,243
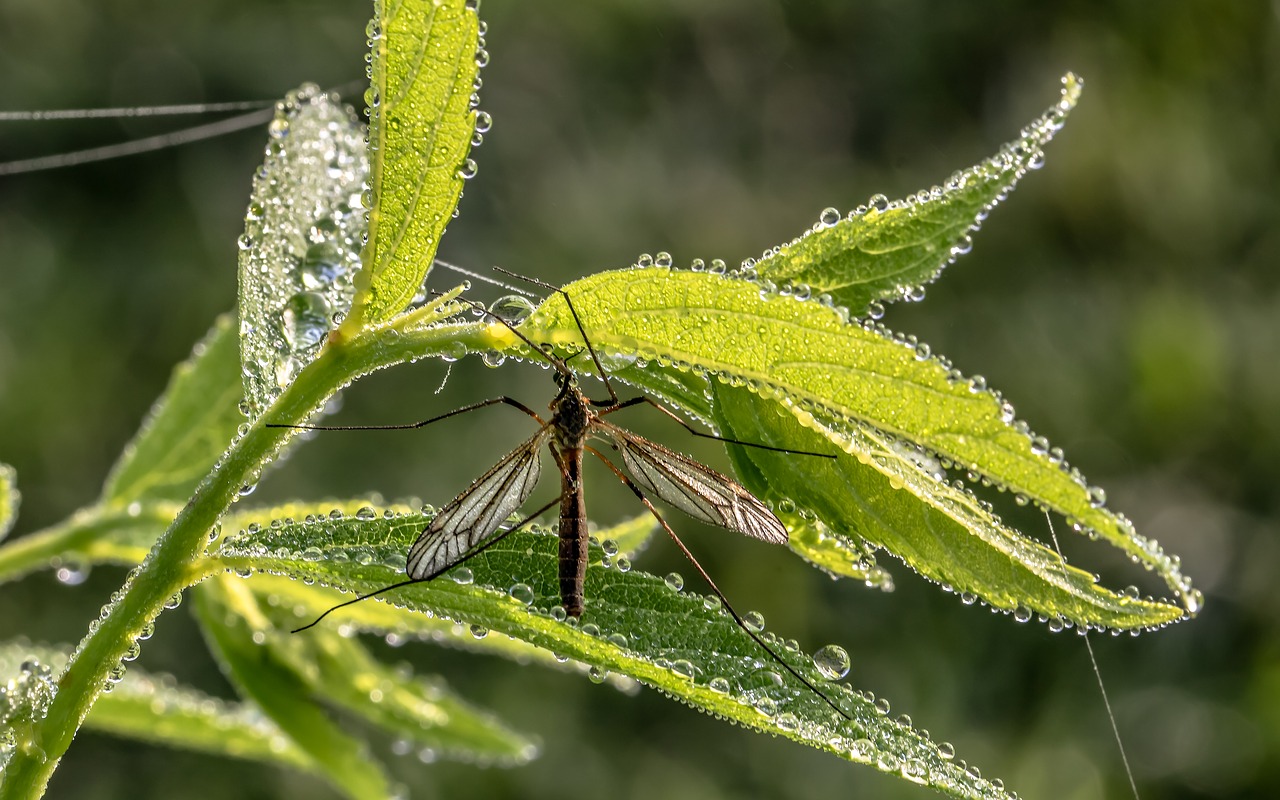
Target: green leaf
679,643
410,708
157,710
302,238
10,499
885,251
231,619
882,400
424,71
187,429
399,625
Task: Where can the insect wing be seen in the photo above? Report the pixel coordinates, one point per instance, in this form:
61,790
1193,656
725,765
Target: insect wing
473,517
694,488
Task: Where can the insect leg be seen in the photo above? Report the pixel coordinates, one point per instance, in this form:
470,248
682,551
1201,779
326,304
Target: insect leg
510,401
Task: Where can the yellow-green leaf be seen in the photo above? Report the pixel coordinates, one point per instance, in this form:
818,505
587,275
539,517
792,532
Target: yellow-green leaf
424,69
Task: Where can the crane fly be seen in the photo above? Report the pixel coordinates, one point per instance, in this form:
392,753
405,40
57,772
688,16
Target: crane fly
472,522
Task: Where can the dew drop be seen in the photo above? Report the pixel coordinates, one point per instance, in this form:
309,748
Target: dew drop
479,631
1097,497
462,575
522,592
512,308
305,320
674,581
832,661
829,217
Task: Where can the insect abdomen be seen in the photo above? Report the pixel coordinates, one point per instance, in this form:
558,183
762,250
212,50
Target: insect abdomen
573,535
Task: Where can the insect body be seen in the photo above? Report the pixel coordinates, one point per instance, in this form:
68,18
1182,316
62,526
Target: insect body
468,522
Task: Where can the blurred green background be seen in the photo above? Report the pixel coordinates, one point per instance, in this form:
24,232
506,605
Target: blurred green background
1125,299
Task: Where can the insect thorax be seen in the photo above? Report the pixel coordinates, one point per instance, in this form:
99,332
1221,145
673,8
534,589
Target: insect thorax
571,416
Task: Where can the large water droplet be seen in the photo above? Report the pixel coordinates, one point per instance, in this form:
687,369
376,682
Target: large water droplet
305,320
832,661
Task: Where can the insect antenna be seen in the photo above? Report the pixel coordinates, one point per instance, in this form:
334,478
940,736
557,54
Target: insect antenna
716,589
465,558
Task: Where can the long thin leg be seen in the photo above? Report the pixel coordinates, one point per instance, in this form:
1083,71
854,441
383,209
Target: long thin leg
438,572
604,376
716,589
510,401
635,401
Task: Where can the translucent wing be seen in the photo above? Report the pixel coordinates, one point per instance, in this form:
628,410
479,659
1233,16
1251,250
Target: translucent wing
695,489
473,517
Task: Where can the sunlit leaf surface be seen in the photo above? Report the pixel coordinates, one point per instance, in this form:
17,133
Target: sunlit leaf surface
887,407
425,63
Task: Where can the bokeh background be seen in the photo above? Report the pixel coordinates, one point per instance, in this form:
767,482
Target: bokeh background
1125,299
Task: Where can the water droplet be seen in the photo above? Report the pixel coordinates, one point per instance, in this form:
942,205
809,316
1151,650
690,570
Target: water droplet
522,592
366,513
754,621
72,574
684,668
597,674
479,631
829,217
468,169
878,202
304,320
512,308
832,661
1022,614
1097,497
484,121
322,264
663,259
462,575
674,581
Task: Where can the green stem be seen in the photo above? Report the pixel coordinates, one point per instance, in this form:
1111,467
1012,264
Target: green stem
176,563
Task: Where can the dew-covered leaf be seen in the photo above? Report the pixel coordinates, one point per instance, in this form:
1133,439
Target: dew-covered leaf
412,709
426,56
398,625
235,630
879,398
885,251
636,624
155,709
187,429
10,498
302,238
